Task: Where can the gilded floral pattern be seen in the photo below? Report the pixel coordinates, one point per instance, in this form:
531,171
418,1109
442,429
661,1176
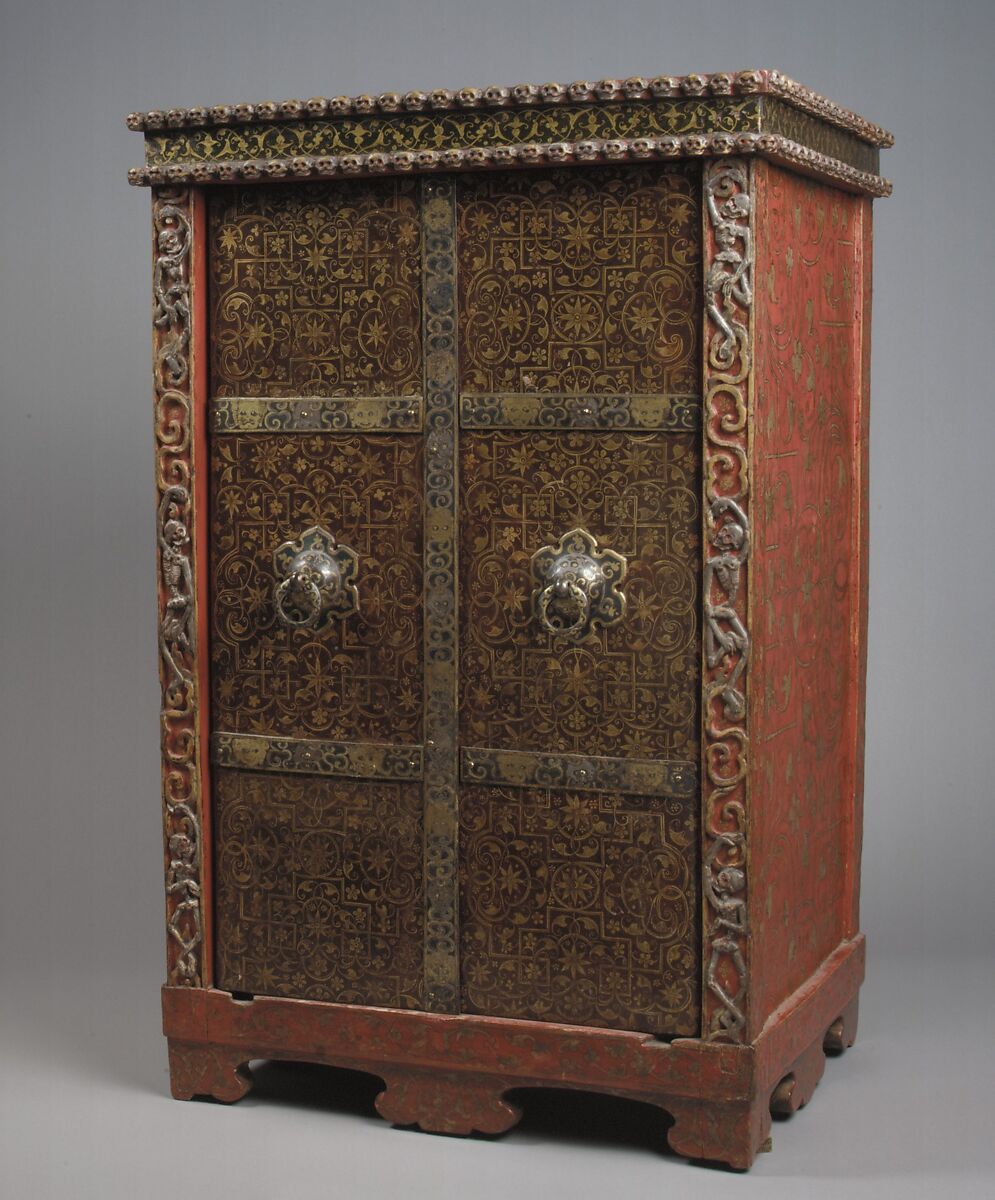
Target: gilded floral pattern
443,130
576,282
579,907
319,891
361,678
631,689
316,290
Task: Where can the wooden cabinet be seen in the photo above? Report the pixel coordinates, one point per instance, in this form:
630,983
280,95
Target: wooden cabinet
511,453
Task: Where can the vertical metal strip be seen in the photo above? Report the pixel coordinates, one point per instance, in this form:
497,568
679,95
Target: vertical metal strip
441,961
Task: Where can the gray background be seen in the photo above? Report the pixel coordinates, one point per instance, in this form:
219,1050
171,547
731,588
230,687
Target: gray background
83,1107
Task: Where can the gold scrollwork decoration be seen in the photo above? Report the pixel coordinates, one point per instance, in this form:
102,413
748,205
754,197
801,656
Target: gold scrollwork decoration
726,642
177,590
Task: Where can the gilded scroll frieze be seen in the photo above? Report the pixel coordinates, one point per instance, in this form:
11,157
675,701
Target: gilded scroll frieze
414,133
579,772
794,124
726,643
316,756
177,592
774,146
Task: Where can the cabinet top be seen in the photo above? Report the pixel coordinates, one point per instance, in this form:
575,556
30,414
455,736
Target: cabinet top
747,112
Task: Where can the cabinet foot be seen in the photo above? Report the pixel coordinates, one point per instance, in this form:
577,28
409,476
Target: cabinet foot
843,1031
196,1069
451,1102
729,1133
796,1088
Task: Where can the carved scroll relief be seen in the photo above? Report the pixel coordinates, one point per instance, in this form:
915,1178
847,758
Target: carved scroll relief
726,649
177,617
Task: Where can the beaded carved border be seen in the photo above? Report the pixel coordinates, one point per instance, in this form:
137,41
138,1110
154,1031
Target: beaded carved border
310,414
773,146
561,410
316,756
728,241
720,83
578,772
181,768
441,660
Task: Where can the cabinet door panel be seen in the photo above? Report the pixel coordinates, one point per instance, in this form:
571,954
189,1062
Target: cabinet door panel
316,290
580,281
316,420
319,887
580,306
360,678
579,907
630,689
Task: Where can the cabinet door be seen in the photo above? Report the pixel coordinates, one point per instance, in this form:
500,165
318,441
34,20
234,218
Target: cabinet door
316,565
436,787
579,311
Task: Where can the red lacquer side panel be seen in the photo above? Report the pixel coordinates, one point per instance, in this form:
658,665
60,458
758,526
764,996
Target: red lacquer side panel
808,577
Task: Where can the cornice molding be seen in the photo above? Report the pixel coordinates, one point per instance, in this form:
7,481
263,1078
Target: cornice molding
772,146
522,95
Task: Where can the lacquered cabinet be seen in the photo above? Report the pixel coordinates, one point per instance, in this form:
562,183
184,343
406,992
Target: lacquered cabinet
511,455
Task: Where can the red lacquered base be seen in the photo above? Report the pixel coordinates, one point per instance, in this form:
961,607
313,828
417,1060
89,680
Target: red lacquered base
449,1074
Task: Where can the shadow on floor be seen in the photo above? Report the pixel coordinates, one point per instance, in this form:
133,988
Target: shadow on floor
548,1114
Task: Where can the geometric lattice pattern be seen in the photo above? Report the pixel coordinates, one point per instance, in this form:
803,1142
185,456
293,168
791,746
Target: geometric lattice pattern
318,886
316,290
580,907
360,679
580,282
631,689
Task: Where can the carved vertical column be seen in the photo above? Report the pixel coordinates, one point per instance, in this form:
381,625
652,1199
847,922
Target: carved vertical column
728,337
172,232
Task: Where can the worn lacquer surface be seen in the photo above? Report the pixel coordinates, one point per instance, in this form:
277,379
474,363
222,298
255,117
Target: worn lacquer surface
806,576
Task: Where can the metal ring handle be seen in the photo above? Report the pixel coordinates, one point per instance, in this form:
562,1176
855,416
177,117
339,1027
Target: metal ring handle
300,581
577,594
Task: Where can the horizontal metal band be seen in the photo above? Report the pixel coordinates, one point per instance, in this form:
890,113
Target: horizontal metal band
357,760
569,410
580,772
315,414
